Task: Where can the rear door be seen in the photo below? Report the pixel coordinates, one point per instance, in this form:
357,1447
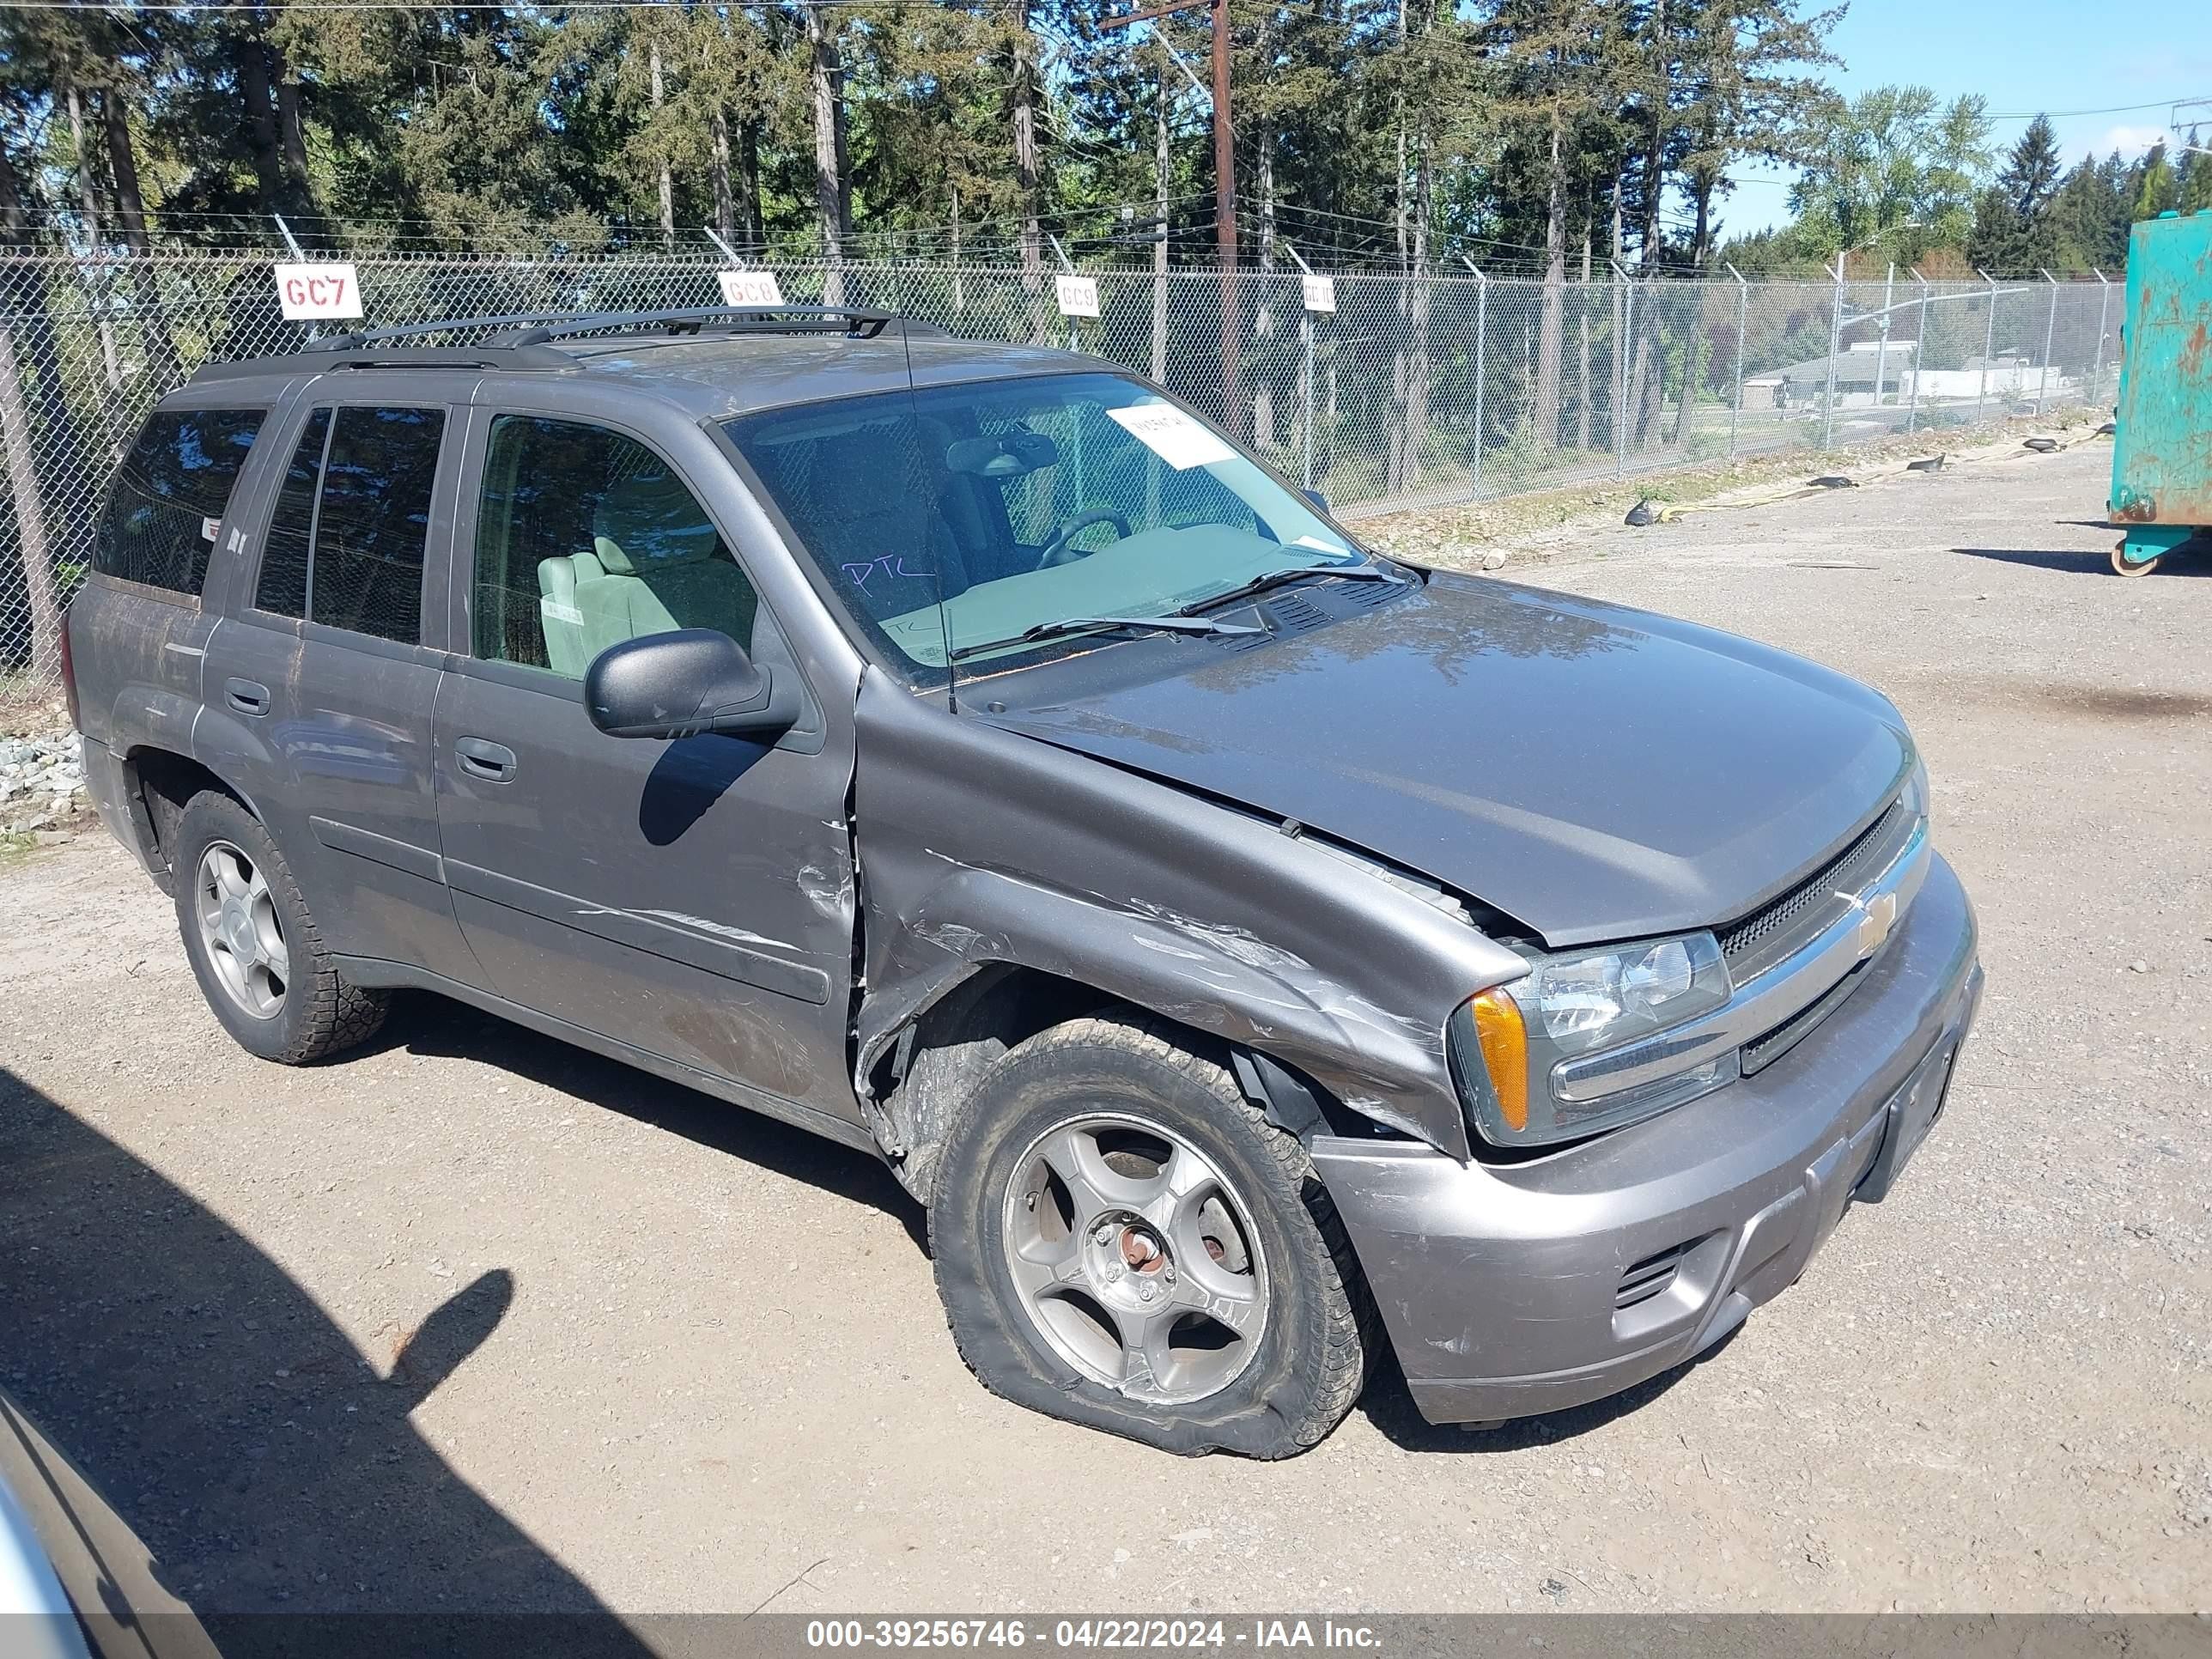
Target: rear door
691,899
320,683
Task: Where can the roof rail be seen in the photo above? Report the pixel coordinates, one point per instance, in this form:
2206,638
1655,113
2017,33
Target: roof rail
855,322
325,354
519,332
522,340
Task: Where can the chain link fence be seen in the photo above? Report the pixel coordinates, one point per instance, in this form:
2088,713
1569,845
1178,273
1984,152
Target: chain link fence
1414,390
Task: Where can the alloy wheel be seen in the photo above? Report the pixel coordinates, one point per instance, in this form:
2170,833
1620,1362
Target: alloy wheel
240,931
1136,1258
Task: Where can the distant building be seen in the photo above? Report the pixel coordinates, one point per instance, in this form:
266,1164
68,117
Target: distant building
2006,375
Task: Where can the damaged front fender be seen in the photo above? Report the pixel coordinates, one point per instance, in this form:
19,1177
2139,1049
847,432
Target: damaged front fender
980,847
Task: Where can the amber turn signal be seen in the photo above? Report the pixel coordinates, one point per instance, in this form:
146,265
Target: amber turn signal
1505,1043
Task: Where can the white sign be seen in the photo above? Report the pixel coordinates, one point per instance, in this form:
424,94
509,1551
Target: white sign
1172,436
1321,292
1079,295
313,292
750,288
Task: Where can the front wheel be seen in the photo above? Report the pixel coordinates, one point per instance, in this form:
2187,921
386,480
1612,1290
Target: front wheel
1123,1240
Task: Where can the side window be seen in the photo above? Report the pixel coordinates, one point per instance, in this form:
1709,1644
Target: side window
169,495
584,539
283,585
366,570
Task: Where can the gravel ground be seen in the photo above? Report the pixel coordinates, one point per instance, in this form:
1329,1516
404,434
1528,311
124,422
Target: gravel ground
476,1319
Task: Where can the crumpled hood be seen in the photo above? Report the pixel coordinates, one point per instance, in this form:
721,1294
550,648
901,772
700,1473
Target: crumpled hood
1595,772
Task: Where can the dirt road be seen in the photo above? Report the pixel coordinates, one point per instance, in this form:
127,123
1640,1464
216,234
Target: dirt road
666,1356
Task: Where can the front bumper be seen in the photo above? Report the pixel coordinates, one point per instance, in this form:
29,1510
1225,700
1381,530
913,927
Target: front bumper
1510,1289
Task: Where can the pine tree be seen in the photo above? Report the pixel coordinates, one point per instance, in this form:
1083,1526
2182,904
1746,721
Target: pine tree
2193,189
2031,171
2153,189
2014,231
2089,216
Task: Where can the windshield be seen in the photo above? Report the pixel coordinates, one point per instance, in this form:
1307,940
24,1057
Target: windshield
953,517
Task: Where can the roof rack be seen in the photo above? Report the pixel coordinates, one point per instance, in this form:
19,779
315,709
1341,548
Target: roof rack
522,340
519,332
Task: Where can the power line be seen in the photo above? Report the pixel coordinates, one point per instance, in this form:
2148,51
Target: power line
2061,114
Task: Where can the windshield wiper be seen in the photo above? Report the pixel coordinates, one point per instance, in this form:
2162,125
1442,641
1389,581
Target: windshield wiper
1178,624
1260,584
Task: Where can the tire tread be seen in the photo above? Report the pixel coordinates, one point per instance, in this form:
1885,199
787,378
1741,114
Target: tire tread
1351,1327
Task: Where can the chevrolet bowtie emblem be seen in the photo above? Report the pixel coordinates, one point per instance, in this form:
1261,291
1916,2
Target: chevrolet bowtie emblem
1877,916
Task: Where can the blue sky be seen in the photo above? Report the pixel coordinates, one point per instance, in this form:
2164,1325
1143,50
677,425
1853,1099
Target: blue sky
2023,55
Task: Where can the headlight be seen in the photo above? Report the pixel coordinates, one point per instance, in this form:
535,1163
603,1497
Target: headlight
1507,1042
1916,789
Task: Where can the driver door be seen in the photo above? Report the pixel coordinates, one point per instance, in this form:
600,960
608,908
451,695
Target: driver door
691,899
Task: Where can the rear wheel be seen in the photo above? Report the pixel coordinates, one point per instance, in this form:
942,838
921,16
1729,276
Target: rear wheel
252,945
1124,1241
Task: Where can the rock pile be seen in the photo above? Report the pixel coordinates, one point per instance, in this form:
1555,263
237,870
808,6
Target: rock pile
41,783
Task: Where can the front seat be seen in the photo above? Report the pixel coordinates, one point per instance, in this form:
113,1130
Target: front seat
656,565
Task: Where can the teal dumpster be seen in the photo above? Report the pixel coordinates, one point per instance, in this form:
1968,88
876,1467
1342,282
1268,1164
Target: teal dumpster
2162,444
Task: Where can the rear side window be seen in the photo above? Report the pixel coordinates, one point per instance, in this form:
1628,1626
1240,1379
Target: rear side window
283,585
347,536
170,494
366,573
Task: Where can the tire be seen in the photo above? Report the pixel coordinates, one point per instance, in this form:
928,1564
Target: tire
291,1004
1134,1109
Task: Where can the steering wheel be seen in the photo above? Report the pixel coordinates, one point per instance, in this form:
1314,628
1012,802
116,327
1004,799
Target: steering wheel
1056,550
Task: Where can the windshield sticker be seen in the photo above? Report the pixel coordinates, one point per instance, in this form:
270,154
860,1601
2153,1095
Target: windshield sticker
1320,545
1172,436
892,566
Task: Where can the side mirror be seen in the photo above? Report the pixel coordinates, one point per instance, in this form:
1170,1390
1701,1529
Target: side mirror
680,684
1316,498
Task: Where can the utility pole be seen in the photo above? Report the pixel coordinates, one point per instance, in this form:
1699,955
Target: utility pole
828,78
1026,170
1225,188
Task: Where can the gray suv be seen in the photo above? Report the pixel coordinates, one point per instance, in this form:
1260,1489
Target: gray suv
1253,950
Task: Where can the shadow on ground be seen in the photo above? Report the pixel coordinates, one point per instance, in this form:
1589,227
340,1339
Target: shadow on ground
422,1023
2184,561
1390,1407
261,1458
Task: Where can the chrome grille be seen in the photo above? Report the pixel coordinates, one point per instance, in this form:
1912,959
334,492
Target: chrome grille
1770,1046
1758,941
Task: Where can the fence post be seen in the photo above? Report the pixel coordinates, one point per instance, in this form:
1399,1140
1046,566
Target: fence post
1620,369
1742,327
2049,334
1835,346
2097,376
1919,353
1482,331
1305,366
1881,346
1989,345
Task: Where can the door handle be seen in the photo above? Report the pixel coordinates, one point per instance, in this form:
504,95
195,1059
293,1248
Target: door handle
482,758
248,696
